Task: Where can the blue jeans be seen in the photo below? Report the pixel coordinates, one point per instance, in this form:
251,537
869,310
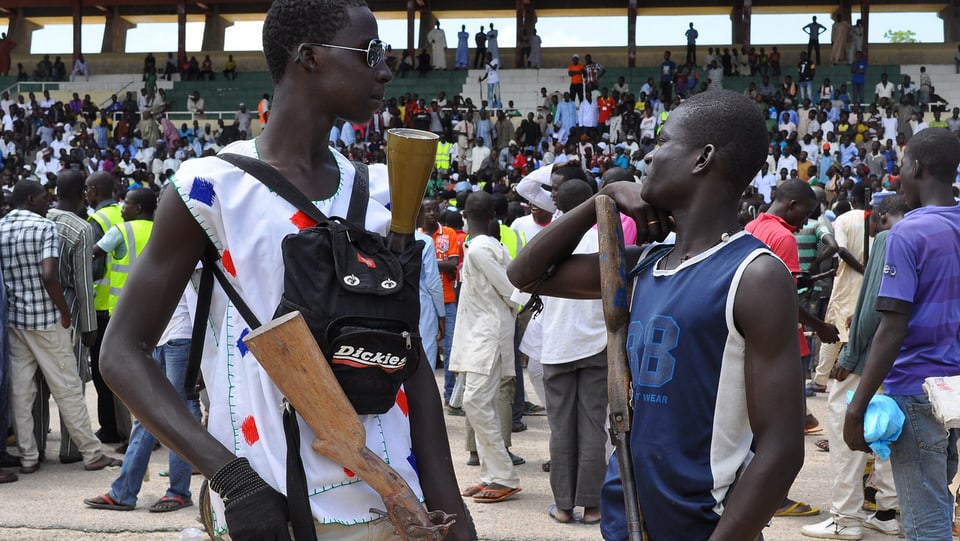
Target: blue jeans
493,95
858,93
924,461
806,90
172,358
450,321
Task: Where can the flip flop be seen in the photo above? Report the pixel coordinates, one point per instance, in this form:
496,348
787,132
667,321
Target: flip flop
104,501
169,503
797,509
494,495
816,429
552,511
823,445
472,490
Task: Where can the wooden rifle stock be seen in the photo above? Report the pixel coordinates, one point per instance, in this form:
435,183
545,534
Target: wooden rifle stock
616,315
286,349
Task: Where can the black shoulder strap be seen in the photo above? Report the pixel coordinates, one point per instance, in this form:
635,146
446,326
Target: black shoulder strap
271,178
360,197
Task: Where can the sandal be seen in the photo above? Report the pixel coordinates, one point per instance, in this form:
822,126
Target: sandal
554,513
169,503
472,490
104,501
494,495
796,509
823,445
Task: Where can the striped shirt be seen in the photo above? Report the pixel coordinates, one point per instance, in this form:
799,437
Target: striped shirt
76,267
26,240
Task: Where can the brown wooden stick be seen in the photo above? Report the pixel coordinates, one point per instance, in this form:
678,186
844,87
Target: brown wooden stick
286,349
616,315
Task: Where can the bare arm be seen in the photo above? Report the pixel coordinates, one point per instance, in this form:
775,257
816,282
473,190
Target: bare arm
166,265
428,433
850,260
774,400
827,332
578,276
831,248
883,352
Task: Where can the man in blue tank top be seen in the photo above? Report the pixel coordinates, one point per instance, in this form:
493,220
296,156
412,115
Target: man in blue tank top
717,429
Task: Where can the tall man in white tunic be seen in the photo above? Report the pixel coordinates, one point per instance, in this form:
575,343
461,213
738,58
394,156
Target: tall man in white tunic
438,45
483,347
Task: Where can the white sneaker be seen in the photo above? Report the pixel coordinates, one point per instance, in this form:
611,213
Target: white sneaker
889,527
829,529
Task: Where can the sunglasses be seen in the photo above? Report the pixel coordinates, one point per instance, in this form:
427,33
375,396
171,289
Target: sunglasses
375,50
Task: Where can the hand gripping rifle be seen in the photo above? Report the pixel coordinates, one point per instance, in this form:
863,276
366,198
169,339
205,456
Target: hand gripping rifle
616,314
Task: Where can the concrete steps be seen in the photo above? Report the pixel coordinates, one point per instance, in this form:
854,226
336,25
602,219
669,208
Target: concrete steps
946,81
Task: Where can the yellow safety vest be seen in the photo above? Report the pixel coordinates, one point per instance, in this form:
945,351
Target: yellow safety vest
443,155
135,234
512,239
106,218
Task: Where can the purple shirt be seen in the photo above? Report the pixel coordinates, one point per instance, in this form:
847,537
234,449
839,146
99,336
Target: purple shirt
922,269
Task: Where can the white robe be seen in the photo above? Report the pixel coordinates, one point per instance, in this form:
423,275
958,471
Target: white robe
438,44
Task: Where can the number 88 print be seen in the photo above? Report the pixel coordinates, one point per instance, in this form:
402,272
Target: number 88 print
651,362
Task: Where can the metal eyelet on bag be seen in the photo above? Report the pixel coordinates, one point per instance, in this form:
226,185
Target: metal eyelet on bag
388,284
351,280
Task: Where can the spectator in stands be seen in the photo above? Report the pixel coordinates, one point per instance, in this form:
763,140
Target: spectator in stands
263,110
44,71
814,29
230,68
592,72
193,69
884,91
667,70
6,45
80,67
170,68
59,70
195,105
575,71
206,69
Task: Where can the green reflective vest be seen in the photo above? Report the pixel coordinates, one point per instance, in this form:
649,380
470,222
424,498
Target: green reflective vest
135,233
443,155
106,218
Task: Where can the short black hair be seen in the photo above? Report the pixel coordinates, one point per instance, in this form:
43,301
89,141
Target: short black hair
735,127
893,204
102,181
143,197
795,190
292,22
480,204
70,184
23,190
938,152
572,193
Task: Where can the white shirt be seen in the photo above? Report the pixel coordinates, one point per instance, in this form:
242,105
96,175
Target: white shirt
485,314
765,184
477,154
573,329
493,71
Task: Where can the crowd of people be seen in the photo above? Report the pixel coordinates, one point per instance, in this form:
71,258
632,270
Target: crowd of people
509,207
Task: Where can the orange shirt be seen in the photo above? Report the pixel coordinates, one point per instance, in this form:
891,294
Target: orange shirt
577,77
448,245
